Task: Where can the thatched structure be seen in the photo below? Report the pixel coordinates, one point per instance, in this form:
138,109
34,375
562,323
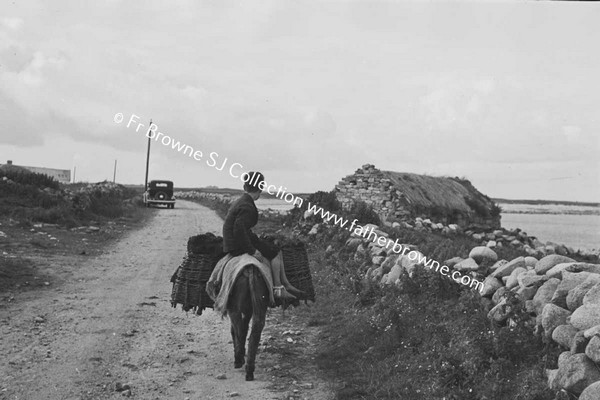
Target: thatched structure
398,196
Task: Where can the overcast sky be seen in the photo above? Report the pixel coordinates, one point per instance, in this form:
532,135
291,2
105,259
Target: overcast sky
504,94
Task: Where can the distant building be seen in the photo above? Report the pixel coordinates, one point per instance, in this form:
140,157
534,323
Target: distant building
61,175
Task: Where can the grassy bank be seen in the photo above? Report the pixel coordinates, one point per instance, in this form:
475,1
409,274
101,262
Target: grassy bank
45,226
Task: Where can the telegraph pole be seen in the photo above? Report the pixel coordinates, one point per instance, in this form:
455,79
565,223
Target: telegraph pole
147,157
115,172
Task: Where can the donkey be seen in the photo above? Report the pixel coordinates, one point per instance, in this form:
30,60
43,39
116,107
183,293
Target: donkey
249,299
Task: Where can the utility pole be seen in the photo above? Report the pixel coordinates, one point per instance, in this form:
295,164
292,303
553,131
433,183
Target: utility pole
74,170
115,172
147,157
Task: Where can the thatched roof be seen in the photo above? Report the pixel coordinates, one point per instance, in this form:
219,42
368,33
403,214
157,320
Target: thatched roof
424,191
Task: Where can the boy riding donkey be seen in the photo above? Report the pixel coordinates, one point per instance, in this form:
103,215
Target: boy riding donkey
239,240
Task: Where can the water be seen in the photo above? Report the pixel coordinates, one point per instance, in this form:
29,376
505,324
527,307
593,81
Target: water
576,231
274,204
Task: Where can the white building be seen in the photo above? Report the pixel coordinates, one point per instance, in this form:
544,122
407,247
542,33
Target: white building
61,175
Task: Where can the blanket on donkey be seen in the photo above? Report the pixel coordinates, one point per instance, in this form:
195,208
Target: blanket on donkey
226,272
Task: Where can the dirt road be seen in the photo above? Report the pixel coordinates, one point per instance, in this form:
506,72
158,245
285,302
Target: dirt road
112,324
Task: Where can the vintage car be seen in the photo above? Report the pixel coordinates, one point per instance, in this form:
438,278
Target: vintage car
159,192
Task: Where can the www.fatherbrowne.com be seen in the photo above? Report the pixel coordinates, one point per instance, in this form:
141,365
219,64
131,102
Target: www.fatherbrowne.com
282,193
369,233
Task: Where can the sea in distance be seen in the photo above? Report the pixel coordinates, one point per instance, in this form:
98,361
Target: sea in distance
576,226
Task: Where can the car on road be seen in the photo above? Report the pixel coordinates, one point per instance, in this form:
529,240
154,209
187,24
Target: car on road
159,192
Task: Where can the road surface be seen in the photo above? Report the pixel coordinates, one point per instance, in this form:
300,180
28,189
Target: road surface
112,324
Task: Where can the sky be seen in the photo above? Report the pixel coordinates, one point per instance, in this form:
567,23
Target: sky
506,94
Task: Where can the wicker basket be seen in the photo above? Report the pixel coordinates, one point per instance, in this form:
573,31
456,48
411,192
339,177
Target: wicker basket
297,270
189,281
295,261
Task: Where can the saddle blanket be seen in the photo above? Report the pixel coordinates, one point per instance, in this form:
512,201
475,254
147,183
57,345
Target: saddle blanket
226,272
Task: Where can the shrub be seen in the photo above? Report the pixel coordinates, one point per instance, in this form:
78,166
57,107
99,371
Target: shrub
25,177
364,213
326,200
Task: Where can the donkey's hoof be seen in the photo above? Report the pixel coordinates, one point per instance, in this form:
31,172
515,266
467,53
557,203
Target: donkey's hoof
238,364
249,376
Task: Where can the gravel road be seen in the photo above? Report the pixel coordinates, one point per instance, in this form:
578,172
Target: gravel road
112,324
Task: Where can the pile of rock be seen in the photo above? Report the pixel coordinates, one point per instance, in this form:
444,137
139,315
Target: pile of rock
195,195
563,298
492,238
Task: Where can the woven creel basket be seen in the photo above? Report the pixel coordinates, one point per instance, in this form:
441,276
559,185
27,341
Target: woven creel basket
189,281
295,261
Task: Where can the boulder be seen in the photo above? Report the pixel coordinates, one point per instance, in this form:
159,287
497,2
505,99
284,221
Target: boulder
353,243
564,334
593,295
394,274
530,261
378,260
544,294
527,293
500,312
404,261
546,263
558,269
483,254
376,274
389,262
579,343
586,316
585,267
591,392
512,282
530,279
500,294
569,281
553,316
453,261
377,251
509,267
591,332
491,244
593,349
497,264
529,307
468,264
490,286
552,375
478,236
576,295
576,372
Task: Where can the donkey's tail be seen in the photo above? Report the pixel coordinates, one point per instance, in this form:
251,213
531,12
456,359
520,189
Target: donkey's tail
257,292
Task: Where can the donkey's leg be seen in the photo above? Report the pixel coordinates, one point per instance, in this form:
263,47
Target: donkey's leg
257,326
259,293
238,339
244,333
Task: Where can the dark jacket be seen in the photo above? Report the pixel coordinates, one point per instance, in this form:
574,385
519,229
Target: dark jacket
237,236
